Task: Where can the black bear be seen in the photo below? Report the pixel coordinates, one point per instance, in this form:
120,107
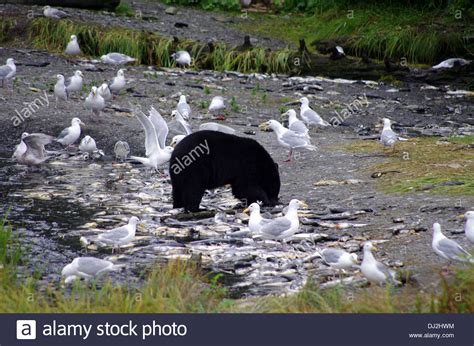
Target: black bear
209,159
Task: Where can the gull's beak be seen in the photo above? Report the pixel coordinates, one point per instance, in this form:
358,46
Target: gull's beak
263,126
246,211
292,103
81,123
141,226
462,216
304,205
375,248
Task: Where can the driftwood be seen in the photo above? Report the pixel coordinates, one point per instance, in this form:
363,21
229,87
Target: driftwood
89,4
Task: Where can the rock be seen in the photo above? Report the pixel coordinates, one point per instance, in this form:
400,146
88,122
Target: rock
171,10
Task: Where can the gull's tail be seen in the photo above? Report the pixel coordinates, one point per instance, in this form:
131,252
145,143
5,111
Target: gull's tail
143,160
402,139
310,147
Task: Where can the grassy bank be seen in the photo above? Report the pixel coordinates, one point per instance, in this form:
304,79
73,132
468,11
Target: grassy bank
179,287
147,47
425,164
423,32
415,35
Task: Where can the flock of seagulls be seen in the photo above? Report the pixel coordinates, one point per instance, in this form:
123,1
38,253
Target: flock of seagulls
31,151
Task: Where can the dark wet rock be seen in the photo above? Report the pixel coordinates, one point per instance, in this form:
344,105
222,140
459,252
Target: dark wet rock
181,25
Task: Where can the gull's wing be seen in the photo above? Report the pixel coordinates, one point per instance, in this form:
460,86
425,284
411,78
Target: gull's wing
299,127
217,127
119,58
332,255
92,266
388,137
35,144
294,139
4,71
58,13
389,274
161,127
114,235
312,115
452,249
276,226
184,110
151,139
187,127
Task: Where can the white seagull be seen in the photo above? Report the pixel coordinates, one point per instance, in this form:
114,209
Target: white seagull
116,59
450,63
60,91
88,145
296,125
288,138
309,116
7,71
85,267
375,271
72,47
70,134
469,227
94,101
120,236
118,83
217,105
75,82
104,91
283,227
176,115
121,150
447,248
156,131
183,108
388,137
339,259
34,154
256,221
182,58
54,13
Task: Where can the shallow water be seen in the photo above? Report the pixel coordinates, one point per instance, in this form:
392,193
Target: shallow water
52,207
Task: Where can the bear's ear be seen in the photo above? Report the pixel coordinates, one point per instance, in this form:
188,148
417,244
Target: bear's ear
276,165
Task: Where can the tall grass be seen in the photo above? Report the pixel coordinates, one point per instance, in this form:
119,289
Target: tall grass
10,251
394,31
151,49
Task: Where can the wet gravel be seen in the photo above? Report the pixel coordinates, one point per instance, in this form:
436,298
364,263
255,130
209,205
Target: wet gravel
72,196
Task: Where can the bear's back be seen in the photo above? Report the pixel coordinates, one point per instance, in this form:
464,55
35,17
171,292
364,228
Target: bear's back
207,150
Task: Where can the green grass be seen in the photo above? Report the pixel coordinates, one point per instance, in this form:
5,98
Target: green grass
424,163
379,31
124,9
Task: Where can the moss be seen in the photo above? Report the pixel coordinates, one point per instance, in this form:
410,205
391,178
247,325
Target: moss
425,164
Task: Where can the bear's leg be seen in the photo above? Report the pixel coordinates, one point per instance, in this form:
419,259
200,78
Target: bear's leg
250,194
192,199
